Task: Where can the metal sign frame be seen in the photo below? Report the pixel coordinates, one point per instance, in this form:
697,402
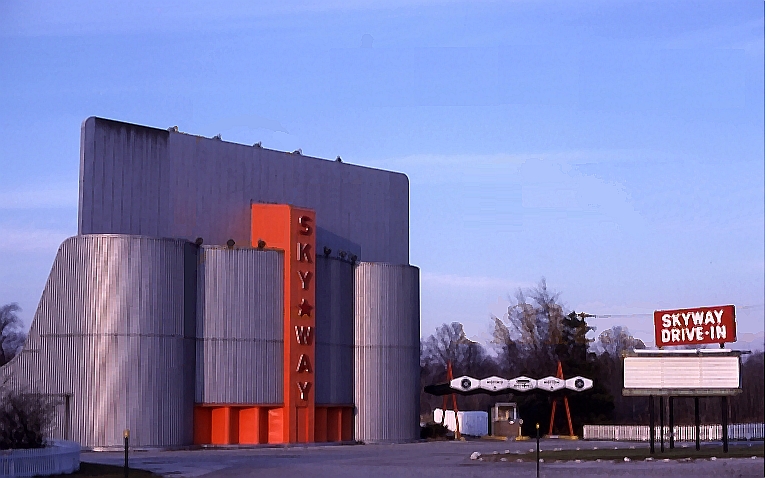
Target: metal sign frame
673,391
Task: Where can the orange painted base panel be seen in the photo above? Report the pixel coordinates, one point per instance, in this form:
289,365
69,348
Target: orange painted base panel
333,423
263,424
237,424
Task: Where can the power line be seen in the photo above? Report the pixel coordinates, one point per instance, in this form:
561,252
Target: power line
646,314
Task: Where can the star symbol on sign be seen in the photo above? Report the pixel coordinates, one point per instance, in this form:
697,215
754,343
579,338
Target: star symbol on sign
305,308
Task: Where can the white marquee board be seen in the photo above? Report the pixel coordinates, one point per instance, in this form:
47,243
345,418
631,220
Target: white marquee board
681,375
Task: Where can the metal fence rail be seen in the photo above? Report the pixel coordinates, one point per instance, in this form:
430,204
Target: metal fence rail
736,431
61,457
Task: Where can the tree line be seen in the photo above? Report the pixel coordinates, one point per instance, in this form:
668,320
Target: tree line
535,334
12,332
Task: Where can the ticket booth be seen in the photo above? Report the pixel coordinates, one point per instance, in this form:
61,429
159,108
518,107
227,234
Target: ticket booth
505,420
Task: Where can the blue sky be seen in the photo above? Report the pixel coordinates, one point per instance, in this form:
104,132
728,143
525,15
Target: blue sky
614,147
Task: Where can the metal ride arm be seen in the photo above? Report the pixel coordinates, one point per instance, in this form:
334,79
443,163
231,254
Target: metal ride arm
466,385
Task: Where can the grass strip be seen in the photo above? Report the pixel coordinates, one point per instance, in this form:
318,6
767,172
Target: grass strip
637,454
108,471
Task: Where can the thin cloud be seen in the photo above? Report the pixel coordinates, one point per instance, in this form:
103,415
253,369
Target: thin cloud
472,282
563,156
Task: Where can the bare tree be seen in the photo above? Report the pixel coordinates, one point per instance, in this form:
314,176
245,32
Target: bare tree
536,325
25,418
12,335
750,404
617,340
450,343
507,350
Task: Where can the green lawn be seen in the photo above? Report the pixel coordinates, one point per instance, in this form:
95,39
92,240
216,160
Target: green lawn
94,469
638,453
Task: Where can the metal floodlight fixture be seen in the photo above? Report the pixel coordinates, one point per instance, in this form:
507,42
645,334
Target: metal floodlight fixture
342,254
550,384
298,151
522,383
465,383
217,137
199,241
231,243
257,145
494,384
578,383
173,129
326,251
261,244
353,258
338,159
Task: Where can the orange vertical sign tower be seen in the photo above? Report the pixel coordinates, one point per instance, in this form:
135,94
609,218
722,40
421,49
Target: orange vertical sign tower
554,406
293,230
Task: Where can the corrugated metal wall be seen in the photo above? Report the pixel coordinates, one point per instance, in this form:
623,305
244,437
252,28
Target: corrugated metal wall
113,341
125,191
334,341
141,180
240,326
386,352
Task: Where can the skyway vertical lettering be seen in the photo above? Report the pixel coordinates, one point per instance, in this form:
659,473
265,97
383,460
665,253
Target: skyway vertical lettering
292,230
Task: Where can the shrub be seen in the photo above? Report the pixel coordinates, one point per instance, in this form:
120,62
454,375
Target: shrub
435,431
25,418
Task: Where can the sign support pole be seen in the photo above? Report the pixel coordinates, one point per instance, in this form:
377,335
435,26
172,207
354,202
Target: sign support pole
697,421
568,414
538,448
671,424
725,424
560,375
661,423
651,413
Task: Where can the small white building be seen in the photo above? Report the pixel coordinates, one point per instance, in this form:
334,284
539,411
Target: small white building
470,423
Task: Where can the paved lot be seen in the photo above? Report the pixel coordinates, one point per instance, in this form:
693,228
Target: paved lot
425,459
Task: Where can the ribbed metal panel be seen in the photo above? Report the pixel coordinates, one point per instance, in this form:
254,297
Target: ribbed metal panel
240,326
386,352
334,341
127,190
113,341
140,180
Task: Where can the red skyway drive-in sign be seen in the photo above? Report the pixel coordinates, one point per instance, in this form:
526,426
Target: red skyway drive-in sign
700,325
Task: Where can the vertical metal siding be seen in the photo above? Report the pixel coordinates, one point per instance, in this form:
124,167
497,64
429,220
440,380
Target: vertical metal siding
125,191
240,326
111,341
140,180
386,352
334,339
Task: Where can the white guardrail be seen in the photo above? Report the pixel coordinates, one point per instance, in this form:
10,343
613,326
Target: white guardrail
736,431
58,457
